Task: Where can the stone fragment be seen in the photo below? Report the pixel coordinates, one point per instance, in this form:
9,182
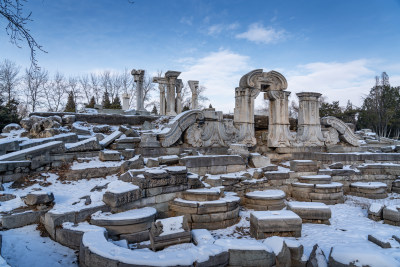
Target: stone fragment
303,166
152,162
281,251
128,153
68,119
38,198
317,258
336,166
119,193
90,144
379,242
109,155
375,211
258,161
11,127
168,160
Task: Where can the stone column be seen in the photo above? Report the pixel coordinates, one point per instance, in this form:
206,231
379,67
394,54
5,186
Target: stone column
244,114
138,76
194,87
162,98
309,126
278,126
179,86
162,82
171,84
125,101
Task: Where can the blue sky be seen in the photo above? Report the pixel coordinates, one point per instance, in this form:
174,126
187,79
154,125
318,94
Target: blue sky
332,47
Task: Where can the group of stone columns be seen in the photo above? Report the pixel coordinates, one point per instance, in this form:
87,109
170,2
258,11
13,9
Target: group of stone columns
274,84
171,93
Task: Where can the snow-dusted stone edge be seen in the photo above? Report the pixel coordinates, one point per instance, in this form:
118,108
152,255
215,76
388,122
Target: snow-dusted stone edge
96,249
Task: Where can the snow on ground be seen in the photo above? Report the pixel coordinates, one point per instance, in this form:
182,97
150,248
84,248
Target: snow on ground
349,227
67,194
25,247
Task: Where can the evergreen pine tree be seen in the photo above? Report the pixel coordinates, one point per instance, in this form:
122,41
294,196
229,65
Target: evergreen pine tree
154,111
91,103
106,100
116,104
185,108
71,106
9,113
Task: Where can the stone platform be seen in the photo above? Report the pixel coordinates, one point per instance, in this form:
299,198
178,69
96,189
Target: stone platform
211,215
311,212
318,188
374,190
265,200
132,225
264,224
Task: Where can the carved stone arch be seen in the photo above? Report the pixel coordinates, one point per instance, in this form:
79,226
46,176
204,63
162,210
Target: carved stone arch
250,85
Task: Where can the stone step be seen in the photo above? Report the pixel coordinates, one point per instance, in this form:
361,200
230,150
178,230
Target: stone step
315,179
203,194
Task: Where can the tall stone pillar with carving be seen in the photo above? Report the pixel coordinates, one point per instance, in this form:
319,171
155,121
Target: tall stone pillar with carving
309,126
138,76
162,83
179,86
244,114
278,126
194,87
171,77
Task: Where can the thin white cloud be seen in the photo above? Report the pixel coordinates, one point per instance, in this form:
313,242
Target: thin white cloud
339,81
187,20
259,34
220,73
216,29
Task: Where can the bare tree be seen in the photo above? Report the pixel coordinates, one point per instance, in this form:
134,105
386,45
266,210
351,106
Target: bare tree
105,81
94,85
86,88
16,28
128,86
55,92
148,87
9,79
73,87
116,85
35,81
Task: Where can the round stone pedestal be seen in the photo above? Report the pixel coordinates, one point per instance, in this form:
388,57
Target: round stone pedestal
213,214
374,190
265,200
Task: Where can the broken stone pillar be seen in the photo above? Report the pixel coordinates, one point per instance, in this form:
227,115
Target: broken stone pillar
309,126
244,114
125,101
194,87
138,76
171,84
162,82
278,125
179,86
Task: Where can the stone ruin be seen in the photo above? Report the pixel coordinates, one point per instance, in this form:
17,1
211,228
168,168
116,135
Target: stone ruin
174,179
